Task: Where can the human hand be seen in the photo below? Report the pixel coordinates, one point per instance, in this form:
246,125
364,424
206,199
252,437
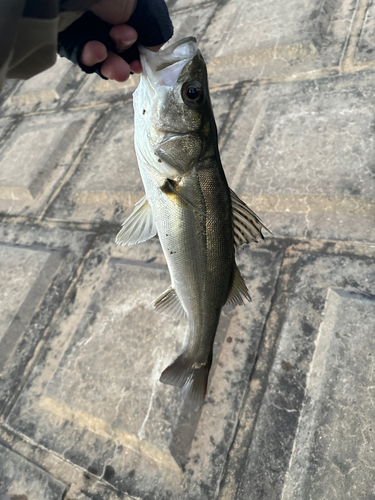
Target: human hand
114,67
95,45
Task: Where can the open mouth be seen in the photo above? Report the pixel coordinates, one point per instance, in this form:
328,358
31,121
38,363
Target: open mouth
172,54
167,63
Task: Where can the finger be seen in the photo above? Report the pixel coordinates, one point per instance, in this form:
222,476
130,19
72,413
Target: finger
124,36
136,66
115,68
114,12
93,52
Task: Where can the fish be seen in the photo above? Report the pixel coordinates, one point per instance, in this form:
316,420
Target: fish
199,220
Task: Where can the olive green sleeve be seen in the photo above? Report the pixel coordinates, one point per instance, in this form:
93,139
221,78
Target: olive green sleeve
28,34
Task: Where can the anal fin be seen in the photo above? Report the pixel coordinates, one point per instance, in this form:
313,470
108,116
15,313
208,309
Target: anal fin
169,304
139,226
238,291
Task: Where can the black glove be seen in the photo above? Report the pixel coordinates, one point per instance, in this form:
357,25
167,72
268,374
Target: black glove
150,19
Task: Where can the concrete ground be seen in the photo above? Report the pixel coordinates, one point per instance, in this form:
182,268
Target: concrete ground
290,408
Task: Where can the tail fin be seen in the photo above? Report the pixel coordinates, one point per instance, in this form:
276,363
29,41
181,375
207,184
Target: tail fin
193,381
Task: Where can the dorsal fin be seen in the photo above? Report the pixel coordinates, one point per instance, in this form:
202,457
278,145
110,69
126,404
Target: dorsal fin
238,291
169,304
139,226
247,225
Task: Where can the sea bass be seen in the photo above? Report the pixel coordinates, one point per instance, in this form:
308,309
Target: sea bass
200,221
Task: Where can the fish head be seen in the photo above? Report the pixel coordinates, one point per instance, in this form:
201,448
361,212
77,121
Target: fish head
173,112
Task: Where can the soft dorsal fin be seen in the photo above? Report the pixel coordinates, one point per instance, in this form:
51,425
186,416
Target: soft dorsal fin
169,304
238,291
139,226
247,225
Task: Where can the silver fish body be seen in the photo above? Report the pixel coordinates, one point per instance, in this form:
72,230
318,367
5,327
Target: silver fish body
188,203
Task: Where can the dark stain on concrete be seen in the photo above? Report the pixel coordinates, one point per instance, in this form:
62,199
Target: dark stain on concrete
109,473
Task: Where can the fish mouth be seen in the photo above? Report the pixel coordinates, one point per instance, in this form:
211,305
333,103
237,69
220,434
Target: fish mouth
170,55
164,67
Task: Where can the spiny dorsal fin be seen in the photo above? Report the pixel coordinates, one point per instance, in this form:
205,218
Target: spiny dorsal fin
247,225
169,304
139,226
238,291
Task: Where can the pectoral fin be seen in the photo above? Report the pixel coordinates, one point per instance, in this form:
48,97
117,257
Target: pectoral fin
247,225
139,226
169,304
238,291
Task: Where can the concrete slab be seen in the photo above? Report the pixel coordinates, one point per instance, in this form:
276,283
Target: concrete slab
257,40
46,91
334,445
106,178
96,91
191,21
302,155
36,269
316,410
103,388
16,264
21,480
30,174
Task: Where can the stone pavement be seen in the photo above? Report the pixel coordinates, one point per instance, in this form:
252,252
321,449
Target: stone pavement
290,409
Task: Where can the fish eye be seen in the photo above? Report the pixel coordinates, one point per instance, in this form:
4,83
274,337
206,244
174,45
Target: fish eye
192,93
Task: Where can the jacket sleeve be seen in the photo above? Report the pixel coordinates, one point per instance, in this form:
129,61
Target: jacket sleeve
29,31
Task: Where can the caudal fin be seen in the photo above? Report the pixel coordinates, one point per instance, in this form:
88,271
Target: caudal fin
192,381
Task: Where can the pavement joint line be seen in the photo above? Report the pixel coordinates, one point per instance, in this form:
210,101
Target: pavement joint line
77,90
182,10
32,444
102,228
92,105
4,443
101,104
356,26
240,90
97,227
349,67
239,174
